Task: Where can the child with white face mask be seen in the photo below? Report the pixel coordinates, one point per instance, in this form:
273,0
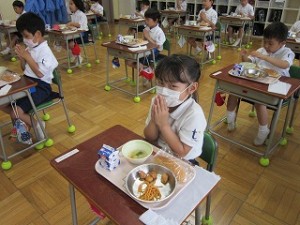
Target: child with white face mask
176,122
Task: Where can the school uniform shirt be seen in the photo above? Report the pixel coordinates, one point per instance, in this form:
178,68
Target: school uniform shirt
189,123
182,6
296,27
245,10
143,11
18,15
283,53
96,7
80,17
157,34
211,15
46,61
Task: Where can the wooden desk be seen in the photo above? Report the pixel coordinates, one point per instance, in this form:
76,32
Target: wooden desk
8,30
79,171
123,52
132,22
257,93
19,90
236,21
197,32
173,13
293,45
65,37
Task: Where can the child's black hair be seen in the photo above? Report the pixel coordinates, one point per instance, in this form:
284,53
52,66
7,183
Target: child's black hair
178,68
276,30
94,0
152,13
30,22
18,4
79,4
146,2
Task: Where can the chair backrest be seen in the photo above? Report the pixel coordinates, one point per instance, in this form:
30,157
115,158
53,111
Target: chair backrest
218,26
295,72
57,80
167,46
209,151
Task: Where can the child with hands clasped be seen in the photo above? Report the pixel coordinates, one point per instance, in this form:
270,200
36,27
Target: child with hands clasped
176,122
207,16
38,63
273,56
78,20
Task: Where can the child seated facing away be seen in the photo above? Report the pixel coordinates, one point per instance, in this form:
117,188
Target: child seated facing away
175,121
19,9
208,16
273,55
97,9
145,4
152,33
296,30
78,20
38,63
245,10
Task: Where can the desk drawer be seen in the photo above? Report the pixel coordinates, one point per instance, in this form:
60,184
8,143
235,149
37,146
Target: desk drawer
233,22
245,92
122,54
191,33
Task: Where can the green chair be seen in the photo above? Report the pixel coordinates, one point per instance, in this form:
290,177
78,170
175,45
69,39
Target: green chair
55,98
209,155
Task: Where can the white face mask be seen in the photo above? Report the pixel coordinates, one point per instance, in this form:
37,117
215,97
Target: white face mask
171,96
30,43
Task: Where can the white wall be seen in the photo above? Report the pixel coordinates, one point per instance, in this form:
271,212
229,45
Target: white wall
7,10
127,7
116,9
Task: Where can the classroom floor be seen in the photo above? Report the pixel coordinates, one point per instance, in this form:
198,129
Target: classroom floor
32,193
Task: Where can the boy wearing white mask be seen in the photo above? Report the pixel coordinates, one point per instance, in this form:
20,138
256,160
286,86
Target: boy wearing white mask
38,63
176,122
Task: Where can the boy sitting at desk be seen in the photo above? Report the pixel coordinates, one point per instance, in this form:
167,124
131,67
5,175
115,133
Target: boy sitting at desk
19,9
245,10
97,8
274,55
145,5
207,16
38,63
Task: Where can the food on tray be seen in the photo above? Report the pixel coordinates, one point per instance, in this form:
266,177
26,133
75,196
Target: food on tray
150,193
254,73
164,178
176,168
204,24
137,154
9,77
272,73
142,174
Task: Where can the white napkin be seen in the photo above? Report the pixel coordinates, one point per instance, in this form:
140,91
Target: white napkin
5,89
152,218
165,22
181,42
138,48
279,87
183,204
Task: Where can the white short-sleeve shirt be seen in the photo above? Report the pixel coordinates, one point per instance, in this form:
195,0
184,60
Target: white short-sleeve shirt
80,17
96,7
46,61
211,15
296,27
182,6
245,10
18,15
143,11
283,53
157,34
189,123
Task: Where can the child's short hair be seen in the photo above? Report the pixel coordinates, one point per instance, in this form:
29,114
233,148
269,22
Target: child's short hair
94,0
276,30
152,13
18,4
79,4
178,68
146,2
30,22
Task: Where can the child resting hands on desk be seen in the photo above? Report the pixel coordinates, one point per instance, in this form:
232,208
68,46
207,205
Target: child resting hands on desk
175,121
273,55
38,63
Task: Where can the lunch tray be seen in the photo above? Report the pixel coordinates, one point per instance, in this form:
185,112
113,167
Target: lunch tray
264,80
118,176
14,77
132,45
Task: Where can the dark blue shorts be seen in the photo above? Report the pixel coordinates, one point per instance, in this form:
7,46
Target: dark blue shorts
236,28
41,94
149,57
85,37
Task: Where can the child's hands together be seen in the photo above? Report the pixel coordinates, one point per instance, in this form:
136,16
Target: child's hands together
22,52
146,34
203,16
257,55
160,111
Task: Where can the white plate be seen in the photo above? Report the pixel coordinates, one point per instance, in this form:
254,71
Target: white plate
248,65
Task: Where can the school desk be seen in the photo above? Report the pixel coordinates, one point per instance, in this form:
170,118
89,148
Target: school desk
136,22
257,93
8,29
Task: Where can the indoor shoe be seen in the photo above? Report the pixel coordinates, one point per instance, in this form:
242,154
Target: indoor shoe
236,43
79,60
231,126
261,137
115,63
5,51
40,135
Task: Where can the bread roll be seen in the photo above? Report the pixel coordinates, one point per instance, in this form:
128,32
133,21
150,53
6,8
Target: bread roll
272,73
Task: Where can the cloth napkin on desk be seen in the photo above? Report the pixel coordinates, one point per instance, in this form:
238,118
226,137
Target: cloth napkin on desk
152,218
138,48
279,87
183,204
5,89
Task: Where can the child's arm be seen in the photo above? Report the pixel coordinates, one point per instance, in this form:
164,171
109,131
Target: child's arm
283,64
151,132
206,20
73,24
245,55
148,38
160,117
25,57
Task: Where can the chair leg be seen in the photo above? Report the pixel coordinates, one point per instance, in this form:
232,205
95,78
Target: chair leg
207,220
66,112
198,215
